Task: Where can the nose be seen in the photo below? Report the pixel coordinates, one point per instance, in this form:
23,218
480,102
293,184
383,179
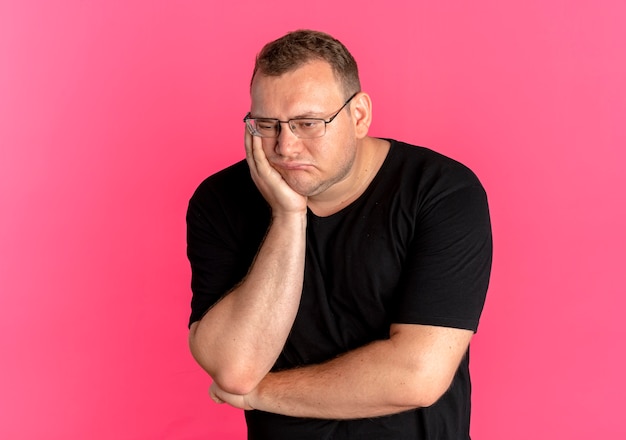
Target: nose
287,143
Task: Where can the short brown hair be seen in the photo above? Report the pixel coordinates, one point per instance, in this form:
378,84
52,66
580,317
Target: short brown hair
296,48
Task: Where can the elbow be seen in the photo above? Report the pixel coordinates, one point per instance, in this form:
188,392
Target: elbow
422,398
430,397
235,383
235,376
426,390
232,379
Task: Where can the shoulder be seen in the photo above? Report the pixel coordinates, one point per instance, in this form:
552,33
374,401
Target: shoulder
233,177
229,190
231,182
426,173
430,163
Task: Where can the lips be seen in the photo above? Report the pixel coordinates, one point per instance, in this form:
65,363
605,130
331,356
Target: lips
291,166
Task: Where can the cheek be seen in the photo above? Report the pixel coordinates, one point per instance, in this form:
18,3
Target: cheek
340,150
268,145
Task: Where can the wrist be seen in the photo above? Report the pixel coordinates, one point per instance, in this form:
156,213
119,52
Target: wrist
255,399
287,219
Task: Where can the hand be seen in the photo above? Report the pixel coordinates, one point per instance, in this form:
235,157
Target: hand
281,197
235,400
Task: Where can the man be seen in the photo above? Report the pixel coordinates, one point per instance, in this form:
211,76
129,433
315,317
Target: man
337,278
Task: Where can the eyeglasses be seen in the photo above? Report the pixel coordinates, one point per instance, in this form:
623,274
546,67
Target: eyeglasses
304,128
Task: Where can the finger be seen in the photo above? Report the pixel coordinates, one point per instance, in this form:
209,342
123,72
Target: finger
247,141
214,396
255,156
261,162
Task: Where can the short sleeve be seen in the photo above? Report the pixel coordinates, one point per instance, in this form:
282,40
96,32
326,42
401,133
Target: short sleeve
223,235
445,280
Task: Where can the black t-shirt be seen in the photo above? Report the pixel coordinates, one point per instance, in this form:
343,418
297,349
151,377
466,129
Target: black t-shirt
415,248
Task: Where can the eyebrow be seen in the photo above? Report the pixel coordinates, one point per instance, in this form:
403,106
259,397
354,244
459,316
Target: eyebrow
310,114
306,115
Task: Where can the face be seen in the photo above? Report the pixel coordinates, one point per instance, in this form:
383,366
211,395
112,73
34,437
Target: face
312,167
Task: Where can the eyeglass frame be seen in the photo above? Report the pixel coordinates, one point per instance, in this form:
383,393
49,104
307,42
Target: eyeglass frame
288,122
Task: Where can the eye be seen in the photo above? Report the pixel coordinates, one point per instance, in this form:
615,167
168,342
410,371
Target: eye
307,124
265,125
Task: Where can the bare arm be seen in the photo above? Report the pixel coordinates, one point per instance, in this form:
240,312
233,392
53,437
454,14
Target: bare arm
411,369
239,339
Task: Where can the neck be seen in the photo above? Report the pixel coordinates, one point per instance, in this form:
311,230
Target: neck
372,155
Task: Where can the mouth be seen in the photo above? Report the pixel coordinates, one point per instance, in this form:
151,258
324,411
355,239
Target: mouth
291,166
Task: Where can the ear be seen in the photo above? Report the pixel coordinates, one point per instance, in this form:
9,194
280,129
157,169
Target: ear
362,114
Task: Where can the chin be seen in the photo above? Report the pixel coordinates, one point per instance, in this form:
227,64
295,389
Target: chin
306,189
303,191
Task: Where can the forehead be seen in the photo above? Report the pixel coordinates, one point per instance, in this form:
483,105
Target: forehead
310,88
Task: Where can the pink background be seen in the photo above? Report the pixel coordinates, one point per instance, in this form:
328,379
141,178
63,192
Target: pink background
111,112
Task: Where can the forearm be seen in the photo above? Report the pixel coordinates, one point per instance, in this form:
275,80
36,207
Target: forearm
359,384
240,338
411,369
